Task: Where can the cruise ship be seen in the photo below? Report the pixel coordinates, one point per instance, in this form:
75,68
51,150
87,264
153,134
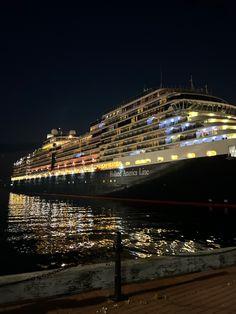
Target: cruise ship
163,144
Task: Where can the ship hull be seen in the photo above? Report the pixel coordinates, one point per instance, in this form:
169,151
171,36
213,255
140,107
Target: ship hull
198,179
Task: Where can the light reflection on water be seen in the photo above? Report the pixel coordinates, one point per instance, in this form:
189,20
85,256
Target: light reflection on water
49,232
59,226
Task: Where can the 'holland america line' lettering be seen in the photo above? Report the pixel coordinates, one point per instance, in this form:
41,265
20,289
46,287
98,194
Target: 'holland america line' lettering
129,173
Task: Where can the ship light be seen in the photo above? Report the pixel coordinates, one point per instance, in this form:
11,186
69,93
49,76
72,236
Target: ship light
208,139
193,114
110,165
174,157
150,120
211,153
230,136
232,151
127,163
191,155
101,125
168,140
142,161
169,130
160,159
162,124
136,152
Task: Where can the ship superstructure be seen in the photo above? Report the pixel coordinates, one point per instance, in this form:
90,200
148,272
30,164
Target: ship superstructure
139,143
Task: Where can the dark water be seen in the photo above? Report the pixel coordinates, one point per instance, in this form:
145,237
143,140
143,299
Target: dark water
40,233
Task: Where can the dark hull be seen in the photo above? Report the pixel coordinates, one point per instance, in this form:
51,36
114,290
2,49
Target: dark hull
197,179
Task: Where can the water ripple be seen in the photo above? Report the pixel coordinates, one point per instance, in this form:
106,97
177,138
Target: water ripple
49,232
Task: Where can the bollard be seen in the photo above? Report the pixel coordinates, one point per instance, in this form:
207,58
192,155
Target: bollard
117,279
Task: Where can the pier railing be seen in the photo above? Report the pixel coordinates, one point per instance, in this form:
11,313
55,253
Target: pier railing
111,275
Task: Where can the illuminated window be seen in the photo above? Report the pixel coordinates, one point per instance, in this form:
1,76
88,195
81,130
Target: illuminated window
150,120
127,163
193,114
212,120
191,155
142,161
110,165
211,153
231,136
232,151
174,157
160,159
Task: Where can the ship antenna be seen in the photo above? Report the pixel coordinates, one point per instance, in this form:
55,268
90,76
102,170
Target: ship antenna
191,82
161,78
206,89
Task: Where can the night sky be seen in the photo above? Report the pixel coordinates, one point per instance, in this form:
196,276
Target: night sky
64,66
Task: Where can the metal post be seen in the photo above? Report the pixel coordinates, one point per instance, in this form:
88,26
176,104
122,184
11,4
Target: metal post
117,280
